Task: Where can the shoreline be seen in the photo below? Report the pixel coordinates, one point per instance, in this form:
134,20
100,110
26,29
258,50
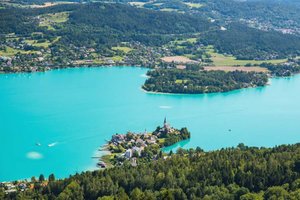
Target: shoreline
206,93
71,67
130,146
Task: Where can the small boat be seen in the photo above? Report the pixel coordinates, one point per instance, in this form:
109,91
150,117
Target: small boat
38,144
101,164
52,144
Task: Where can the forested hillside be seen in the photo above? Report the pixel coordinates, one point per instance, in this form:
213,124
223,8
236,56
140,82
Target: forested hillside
111,23
227,174
248,43
78,34
64,35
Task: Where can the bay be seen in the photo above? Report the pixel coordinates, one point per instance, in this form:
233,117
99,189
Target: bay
54,122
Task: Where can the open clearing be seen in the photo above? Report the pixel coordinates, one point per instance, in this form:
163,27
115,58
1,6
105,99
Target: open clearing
38,44
45,44
48,4
11,52
224,60
194,5
50,19
124,49
192,40
177,59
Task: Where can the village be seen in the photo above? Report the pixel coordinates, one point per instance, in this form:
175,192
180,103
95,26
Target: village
24,185
9,187
21,54
136,146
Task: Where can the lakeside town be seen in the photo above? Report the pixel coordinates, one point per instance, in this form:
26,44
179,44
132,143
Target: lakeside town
136,147
130,148
36,54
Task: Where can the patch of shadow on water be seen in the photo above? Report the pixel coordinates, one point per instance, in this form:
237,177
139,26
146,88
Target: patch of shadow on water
175,146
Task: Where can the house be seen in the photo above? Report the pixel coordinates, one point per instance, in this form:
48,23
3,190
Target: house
22,186
128,153
151,140
118,139
101,164
133,162
139,141
137,149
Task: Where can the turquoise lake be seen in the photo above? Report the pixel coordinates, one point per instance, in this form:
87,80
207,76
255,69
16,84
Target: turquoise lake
72,112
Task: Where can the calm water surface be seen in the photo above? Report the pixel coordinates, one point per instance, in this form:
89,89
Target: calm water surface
70,113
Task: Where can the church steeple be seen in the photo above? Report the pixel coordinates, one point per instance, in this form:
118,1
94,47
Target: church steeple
165,121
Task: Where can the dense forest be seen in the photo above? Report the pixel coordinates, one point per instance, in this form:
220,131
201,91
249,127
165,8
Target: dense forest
196,82
251,44
111,23
282,70
246,173
102,23
278,15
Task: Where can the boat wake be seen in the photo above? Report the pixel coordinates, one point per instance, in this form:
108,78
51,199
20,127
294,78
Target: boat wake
52,144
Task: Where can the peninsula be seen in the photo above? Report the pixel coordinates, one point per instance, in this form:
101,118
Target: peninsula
196,79
138,147
198,82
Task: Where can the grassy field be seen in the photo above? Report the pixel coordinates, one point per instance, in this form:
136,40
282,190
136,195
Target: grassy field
49,20
222,60
117,58
56,39
107,159
46,4
11,52
88,62
124,49
194,5
45,44
49,4
178,42
36,44
191,40
180,81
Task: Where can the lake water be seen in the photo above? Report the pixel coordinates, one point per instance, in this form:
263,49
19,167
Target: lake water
71,112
